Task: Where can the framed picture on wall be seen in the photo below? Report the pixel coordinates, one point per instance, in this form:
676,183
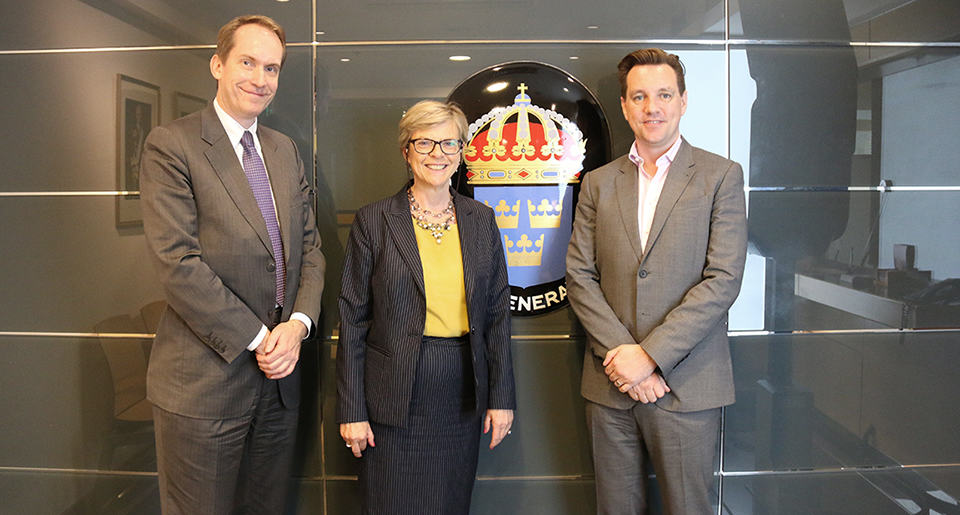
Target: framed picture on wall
138,111
184,104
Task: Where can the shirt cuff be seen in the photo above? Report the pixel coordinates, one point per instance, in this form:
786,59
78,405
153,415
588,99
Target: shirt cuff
256,341
306,322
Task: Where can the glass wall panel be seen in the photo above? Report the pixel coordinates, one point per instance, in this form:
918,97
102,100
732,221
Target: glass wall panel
80,403
79,493
881,493
76,403
556,497
493,496
843,400
830,116
812,97
385,20
823,20
45,24
72,141
75,269
793,115
71,101
858,260
901,20
845,20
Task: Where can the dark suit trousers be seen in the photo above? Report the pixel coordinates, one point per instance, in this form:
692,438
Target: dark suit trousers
682,447
235,465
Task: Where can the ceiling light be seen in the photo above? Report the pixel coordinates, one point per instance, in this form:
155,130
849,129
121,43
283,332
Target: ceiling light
459,57
574,57
344,59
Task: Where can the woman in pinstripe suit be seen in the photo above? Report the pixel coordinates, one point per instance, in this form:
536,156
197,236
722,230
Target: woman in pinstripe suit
424,351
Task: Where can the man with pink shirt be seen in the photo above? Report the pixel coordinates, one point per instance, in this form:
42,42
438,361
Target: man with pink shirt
654,263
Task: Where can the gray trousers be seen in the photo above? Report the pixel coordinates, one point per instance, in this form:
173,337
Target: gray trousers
228,466
682,448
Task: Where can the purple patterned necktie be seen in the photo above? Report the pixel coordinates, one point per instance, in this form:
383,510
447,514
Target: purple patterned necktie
260,184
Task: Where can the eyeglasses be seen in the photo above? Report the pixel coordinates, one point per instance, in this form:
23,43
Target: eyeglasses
426,145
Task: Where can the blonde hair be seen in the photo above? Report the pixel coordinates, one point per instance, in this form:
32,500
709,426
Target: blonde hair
428,113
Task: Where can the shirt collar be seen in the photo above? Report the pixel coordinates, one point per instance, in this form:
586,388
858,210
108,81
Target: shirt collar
666,159
233,128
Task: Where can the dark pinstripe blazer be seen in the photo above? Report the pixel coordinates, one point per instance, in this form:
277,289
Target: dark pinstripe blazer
383,311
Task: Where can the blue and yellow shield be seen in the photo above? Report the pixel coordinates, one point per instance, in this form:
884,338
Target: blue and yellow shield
525,160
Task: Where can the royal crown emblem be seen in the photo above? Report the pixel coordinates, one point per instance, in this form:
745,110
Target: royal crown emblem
506,148
524,157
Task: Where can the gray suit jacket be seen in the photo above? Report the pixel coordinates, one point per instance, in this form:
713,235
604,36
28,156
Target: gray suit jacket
383,311
212,253
671,297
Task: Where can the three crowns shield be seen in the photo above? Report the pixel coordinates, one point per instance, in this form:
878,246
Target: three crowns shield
525,160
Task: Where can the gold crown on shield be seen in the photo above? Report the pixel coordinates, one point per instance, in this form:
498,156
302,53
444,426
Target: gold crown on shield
524,144
523,252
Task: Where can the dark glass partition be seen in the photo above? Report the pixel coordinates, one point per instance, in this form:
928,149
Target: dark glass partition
843,114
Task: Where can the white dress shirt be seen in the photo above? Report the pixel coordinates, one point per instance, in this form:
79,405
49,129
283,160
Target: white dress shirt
650,187
235,133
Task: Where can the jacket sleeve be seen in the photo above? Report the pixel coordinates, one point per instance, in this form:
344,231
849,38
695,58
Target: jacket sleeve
706,304
601,323
170,222
356,312
501,385
312,263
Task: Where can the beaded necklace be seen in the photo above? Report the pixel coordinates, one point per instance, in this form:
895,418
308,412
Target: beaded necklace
420,215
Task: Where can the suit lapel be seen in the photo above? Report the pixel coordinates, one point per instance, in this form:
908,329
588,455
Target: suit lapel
681,170
278,169
223,159
626,187
467,225
400,225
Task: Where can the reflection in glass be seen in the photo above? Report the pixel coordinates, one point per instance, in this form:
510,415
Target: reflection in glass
343,20
826,401
79,403
874,492
859,260
78,493
844,20
834,116
44,24
817,118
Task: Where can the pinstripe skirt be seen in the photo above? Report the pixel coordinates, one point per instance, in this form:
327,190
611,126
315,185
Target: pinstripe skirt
429,466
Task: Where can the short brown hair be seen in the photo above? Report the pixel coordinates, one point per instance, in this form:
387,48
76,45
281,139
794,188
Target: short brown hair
226,40
427,113
646,56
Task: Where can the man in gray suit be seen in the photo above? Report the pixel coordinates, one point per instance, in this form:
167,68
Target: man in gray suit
654,263
229,223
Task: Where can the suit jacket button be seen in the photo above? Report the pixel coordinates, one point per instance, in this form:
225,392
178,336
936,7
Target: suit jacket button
473,330
271,267
643,274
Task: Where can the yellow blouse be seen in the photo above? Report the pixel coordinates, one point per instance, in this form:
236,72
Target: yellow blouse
443,283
